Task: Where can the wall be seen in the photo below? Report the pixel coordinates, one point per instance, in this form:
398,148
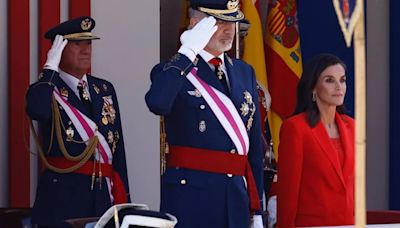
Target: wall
125,54
377,27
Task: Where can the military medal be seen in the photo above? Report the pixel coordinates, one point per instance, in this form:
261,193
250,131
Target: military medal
116,139
248,106
110,137
248,97
104,120
108,111
245,109
105,87
85,95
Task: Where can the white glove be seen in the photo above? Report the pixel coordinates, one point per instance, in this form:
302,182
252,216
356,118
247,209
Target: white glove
271,208
194,40
257,222
55,52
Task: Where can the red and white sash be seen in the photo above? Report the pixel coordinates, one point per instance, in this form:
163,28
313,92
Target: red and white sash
87,128
224,110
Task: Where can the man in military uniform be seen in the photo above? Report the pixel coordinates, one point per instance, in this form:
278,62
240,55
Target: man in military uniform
82,147
214,175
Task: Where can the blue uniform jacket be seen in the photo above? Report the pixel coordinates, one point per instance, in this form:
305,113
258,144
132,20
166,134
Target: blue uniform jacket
197,198
64,196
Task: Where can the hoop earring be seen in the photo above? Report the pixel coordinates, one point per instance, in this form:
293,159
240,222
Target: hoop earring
314,97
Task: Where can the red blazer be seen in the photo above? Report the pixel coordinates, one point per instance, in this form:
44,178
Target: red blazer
313,188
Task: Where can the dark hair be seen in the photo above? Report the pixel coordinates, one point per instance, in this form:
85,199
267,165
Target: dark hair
309,78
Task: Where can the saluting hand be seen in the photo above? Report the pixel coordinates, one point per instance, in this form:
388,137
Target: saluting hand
194,40
55,52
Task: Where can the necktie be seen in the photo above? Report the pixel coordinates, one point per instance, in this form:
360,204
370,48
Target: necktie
217,63
84,96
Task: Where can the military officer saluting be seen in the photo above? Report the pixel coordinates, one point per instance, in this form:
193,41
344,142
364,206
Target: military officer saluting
209,101
82,147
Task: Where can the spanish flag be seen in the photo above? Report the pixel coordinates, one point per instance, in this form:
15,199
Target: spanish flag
283,61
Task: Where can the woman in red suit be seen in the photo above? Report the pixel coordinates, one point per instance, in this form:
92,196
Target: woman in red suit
316,151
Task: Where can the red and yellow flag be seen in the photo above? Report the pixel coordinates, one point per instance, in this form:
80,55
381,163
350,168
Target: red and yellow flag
283,61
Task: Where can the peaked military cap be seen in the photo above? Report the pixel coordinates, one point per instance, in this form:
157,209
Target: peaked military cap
75,29
135,215
226,10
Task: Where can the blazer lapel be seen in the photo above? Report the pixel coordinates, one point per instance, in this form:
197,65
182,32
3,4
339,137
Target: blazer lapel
97,99
323,139
237,91
347,143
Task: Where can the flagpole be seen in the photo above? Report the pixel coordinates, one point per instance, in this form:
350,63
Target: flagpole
360,116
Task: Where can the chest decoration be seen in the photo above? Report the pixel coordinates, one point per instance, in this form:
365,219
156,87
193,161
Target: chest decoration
108,112
195,93
113,138
64,93
70,133
248,108
96,88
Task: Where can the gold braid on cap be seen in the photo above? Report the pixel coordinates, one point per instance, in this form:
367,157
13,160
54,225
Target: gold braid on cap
78,35
218,11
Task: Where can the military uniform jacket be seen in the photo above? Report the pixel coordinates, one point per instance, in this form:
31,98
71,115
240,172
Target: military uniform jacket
198,198
63,196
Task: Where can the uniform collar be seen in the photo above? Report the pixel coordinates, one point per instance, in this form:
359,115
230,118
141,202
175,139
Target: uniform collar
71,81
207,56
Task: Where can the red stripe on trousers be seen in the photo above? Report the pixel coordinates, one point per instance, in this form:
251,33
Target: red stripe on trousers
79,8
49,16
18,81
282,84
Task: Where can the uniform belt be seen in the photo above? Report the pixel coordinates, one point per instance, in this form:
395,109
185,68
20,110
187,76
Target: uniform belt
118,190
216,162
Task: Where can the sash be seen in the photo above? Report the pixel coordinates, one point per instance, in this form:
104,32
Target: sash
224,110
86,128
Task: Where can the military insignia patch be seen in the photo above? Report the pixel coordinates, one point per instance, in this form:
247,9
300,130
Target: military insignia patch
96,88
195,93
64,92
202,126
86,24
105,87
233,4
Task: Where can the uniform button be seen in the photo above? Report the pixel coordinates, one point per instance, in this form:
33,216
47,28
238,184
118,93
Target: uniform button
183,182
233,151
202,107
229,175
55,180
